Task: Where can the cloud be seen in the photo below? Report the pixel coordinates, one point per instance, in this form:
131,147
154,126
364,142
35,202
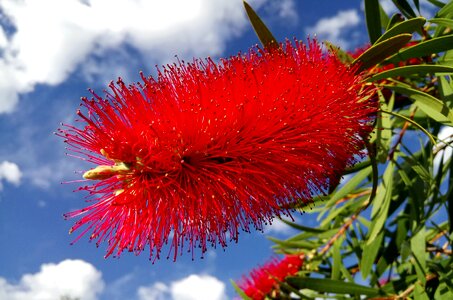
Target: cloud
71,278
446,137
193,287
334,28
10,172
284,10
278,227
49,39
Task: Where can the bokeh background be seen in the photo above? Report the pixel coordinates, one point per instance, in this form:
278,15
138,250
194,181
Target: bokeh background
51,51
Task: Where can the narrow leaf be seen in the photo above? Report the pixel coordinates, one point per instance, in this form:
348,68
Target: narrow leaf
410,70
405,8
373,20
408,26
381,204
370,252
442,21
337,259
428,134
294,244
240,291
265,36
302,227
349,186
332,286
437,3
378,52
396,19
432,106
343,56
446,11
420,292
418,247
405,250
422,172
385,20
425,48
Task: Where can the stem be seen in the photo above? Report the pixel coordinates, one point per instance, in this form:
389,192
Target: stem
410,289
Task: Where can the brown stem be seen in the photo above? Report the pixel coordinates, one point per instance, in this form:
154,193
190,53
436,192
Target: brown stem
400,136
410,289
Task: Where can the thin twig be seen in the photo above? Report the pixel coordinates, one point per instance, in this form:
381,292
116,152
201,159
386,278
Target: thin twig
338,234
405,294
400,136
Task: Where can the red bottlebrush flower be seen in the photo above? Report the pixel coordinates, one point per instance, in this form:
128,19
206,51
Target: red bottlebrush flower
208,149
266,279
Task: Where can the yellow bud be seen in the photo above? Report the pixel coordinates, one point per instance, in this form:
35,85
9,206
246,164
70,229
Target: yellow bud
104,172
117,192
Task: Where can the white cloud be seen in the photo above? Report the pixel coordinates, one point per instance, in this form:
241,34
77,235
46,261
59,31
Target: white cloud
333,28
193,287
278,227
10,172
284,10
53,37
72,278
158,291
446,137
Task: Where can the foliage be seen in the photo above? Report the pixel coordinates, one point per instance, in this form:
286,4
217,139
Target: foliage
386,231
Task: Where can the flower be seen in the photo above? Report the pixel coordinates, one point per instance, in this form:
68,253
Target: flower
205,150
264,280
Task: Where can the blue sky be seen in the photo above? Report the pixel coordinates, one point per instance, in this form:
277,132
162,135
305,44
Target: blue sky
51,51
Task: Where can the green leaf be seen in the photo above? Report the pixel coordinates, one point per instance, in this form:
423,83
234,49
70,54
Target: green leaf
370,252
446,88
445,11
379,51
265,36
432,106
302,227
405,8
410,70
326,285
437,3
425,48
430,136
343,56
408,26
422,172
443,292
373,20
418,247
357,167
384,134
320,236
239,291
405,250
381,204
294,244
396,19
442,21
337,259
385,20
420,292
348,187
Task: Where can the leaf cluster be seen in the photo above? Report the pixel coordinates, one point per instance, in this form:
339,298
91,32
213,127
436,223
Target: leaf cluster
386,231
